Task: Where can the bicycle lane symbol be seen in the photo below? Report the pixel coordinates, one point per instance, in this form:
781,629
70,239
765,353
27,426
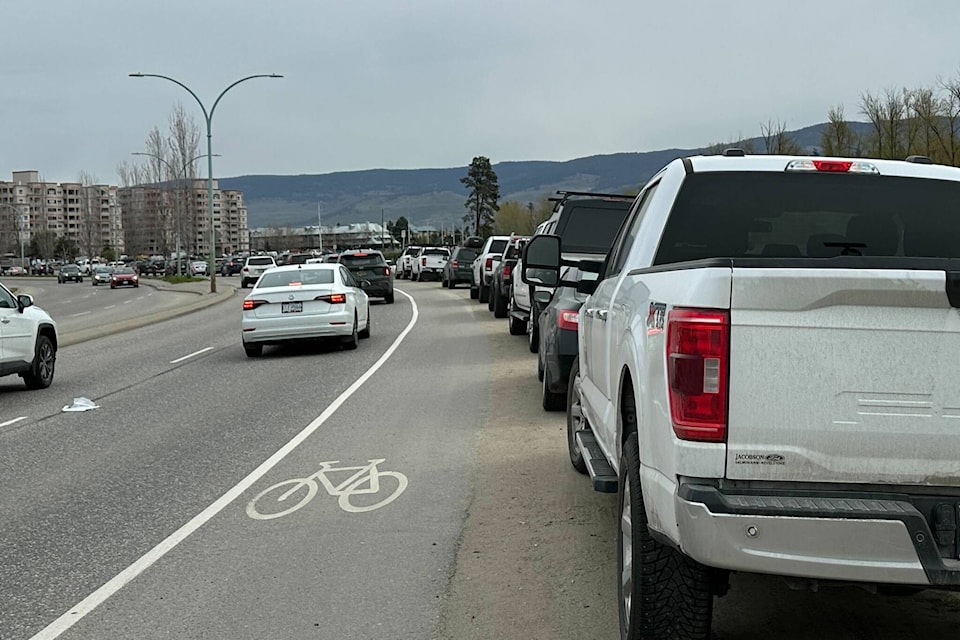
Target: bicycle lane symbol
291,495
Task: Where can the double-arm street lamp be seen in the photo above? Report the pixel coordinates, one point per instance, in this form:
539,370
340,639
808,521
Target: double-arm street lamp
208,118
177,176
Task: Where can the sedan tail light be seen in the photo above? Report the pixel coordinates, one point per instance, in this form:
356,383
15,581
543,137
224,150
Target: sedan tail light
333,298
249,305
569,320
386,271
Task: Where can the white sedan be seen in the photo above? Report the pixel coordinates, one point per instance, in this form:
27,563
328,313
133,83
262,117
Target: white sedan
304,302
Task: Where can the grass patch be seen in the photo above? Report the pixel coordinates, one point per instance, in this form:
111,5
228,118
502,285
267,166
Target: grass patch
181,279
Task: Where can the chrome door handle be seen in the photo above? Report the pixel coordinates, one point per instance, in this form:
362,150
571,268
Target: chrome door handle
602,314
589,312
5,320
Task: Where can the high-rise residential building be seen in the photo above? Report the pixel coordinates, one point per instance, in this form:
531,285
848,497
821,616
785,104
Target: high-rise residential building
32,208
161,219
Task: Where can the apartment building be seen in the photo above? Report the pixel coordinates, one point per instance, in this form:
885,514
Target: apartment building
164,218
89,215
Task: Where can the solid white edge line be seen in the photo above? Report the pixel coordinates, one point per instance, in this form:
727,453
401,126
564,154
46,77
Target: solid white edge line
14,421
190,355
98,597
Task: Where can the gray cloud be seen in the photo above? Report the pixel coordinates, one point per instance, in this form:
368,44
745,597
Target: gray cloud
404,84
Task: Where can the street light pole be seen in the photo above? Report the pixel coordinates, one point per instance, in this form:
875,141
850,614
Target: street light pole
173,170
208,118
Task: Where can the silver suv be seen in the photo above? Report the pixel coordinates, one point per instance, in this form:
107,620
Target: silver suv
28,340
253,267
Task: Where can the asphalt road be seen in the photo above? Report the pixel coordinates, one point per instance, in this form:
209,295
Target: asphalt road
80,305
493,536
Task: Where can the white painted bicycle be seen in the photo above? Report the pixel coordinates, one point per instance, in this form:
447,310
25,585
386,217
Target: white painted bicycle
365,481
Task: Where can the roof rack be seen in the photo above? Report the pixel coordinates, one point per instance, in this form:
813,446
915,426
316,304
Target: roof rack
565,194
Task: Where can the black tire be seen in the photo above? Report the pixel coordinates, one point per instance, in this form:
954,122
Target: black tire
491,295
533,333
499,305
389,298
451,284
366,330
353,340
671,597
483,293
243,283
253,350
474,292
549,400
575,422
40,375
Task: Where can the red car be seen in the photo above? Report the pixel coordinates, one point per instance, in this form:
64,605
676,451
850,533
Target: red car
124,276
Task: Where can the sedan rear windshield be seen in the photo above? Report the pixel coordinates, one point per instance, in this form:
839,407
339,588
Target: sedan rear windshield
260,261
295,277
362,260
804,215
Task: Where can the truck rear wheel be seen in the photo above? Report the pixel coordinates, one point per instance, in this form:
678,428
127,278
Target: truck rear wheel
662,593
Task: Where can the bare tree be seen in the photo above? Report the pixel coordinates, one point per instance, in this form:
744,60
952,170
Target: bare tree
776,140
183,141
89,236
838,137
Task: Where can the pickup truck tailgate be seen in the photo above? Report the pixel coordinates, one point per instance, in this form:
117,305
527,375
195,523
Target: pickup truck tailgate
843,375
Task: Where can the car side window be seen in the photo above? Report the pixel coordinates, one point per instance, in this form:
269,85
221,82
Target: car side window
7,301
348,278
628,235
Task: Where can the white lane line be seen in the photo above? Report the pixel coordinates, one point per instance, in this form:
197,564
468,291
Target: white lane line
82,313
14,421
98,597
127,301
190,355
109,307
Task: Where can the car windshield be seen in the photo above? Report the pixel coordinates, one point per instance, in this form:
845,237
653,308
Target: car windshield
295,277
352,261
125,271
800,215
260,261
70,267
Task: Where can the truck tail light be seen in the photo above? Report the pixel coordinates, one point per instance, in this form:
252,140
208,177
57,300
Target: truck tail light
333,298
507,269
249,305
488,265
423,261
698,356
569,320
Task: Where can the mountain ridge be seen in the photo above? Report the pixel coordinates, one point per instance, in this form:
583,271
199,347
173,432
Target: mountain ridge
435,196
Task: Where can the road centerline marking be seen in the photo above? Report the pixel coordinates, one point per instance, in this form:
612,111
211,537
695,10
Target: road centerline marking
82,313
190,355
14,421
112,586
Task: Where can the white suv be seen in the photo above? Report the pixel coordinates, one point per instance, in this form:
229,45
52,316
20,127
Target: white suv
253,267
28,340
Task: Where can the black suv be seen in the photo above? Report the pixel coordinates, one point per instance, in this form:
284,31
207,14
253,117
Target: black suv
231,266
459,267
69,272
372,267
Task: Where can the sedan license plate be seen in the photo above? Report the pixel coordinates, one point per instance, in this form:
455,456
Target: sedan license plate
291,307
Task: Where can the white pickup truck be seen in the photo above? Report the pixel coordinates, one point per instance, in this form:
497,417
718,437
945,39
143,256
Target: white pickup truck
429,263
767,377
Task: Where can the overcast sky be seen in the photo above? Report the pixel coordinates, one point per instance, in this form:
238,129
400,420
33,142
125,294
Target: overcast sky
432,83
